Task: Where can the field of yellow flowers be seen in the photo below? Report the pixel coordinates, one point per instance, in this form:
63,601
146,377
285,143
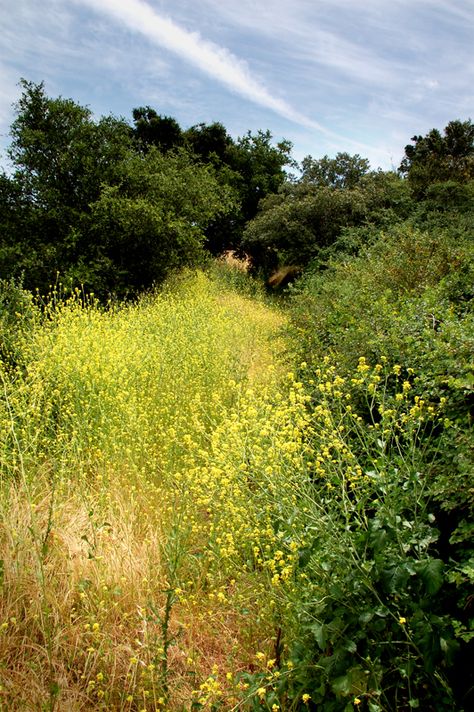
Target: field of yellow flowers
197,515
147,454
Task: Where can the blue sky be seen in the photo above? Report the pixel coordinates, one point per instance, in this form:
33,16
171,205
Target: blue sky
361,76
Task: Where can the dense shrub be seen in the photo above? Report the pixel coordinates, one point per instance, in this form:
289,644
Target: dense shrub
406,299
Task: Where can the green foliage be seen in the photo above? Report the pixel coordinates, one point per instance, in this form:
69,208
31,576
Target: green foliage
343,171
18,317
154,219
61,159
300,222
436,158
293,225
450,196
163,132
60,154
406,298
75,204
84,204
368,613
259,165
210,142
252,166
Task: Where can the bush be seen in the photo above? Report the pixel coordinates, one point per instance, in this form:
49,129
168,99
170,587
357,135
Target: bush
405,300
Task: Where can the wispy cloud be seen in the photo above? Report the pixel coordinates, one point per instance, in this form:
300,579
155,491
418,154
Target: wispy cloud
352,75
207,56
320,34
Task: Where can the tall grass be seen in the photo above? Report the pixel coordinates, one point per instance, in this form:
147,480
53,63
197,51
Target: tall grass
113,504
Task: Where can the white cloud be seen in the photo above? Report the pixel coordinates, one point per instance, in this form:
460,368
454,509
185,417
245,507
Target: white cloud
210,58
354,75
317,33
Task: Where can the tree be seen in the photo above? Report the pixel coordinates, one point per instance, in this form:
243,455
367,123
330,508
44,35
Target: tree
437,158
293,226
16,240
84,202
154,219
305,219
151,129
260,165
61,158
210,142
252,166
61,155
343,171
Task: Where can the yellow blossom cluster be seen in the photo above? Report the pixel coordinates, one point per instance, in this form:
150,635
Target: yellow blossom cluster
157,464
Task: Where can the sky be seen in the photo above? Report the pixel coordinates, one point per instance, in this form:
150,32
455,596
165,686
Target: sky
361,76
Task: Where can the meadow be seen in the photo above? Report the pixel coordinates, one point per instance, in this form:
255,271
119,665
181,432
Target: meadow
195,517
140,563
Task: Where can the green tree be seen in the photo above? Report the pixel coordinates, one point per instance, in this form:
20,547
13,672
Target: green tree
343,171
151,129
252,166
61,157
294,225
154,218
210,142
88,201
60,154
260,165
306,219
438,158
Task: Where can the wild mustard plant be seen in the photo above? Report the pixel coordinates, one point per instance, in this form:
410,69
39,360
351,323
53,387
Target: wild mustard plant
369,580
115,413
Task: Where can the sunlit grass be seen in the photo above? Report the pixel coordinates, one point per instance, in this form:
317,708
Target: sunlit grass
136,545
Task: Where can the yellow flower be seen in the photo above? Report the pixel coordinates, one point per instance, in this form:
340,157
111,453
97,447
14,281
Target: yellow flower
357,701
306,698
402,620
261,692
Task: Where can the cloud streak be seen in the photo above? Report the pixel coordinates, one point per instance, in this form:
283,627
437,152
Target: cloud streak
215,61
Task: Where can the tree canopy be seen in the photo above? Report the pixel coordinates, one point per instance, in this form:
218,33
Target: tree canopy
115,205
437,157
96,202
343,171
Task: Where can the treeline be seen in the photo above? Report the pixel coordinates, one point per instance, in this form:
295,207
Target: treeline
114,206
